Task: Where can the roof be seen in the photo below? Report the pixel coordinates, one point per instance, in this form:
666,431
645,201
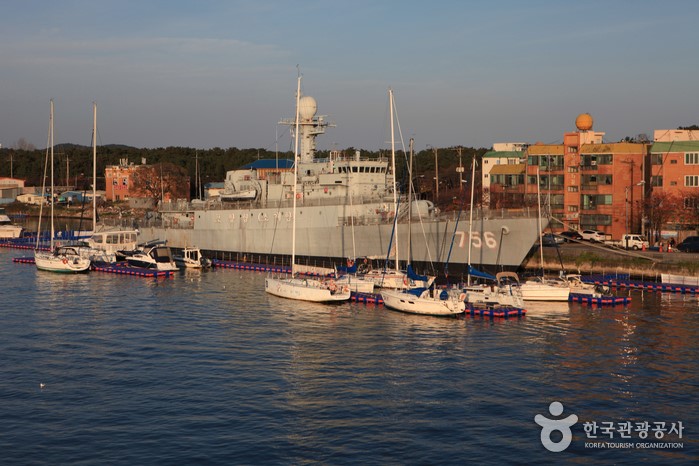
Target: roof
613,148
508,169
676,146
546,149
267,164
510,154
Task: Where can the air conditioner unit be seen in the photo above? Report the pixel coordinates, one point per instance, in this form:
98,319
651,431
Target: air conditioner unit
594,162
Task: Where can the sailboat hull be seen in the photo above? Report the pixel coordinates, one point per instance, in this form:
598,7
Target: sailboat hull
53,263
305,290
406,302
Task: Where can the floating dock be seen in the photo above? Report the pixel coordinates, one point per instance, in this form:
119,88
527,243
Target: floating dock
599,300
250,266
499,312
624,281
121,269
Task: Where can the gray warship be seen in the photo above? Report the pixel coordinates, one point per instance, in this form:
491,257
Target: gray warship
345,209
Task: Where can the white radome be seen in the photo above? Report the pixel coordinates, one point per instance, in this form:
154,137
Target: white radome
307,107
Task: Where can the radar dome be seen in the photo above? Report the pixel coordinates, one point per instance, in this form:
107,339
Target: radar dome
584,122
307,107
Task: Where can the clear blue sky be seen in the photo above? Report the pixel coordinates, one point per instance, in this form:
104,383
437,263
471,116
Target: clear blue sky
222,73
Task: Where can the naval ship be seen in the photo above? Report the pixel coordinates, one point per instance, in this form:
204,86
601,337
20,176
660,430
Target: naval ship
345,209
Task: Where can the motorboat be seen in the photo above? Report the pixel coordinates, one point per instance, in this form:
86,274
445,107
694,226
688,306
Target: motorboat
9,229
192,258
152,255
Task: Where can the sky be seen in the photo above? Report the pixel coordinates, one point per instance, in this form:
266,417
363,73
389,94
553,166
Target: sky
223,73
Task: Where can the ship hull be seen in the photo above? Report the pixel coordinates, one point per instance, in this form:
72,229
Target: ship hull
325,232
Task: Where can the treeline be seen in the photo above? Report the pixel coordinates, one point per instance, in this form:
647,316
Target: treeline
73,163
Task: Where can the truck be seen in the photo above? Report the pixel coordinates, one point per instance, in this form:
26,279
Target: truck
630,241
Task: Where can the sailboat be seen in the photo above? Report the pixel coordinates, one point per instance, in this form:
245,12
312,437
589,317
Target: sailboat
500,291
417,300
295,287
102,246
65,259
542,288
395,278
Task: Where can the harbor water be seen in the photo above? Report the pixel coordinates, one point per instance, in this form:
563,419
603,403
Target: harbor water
205,368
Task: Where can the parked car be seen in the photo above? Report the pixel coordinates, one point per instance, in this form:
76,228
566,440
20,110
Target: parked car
594,236
689,244
550,239
571,234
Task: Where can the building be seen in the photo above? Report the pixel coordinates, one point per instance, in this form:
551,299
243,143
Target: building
505,167
118,180
10,188
583,183
674,171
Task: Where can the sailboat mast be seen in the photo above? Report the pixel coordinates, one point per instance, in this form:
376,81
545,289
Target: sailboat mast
470,215
541,239
410,204
94,166
395,186
51,142
296,174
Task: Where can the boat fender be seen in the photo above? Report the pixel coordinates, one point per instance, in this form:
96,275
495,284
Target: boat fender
405,281
462,297
175,220
65,261
332,285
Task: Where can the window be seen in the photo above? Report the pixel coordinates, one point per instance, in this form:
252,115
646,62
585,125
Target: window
572,208
691,181
691,158
656,159
656,180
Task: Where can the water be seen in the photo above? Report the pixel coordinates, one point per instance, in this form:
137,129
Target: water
206,368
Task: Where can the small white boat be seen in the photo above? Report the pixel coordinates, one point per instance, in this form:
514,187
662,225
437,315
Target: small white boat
192,258
424,301
244,195
577,286
104,246
506,291
9,229
153,255
307,289
64,259
543,289
355,284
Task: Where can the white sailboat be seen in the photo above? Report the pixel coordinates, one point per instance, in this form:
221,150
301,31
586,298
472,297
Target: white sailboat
542,288
102,246
65,259
416,300
304,289
395,278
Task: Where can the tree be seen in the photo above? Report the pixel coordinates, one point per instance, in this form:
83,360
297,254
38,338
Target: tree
23,144
160,180
662,209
